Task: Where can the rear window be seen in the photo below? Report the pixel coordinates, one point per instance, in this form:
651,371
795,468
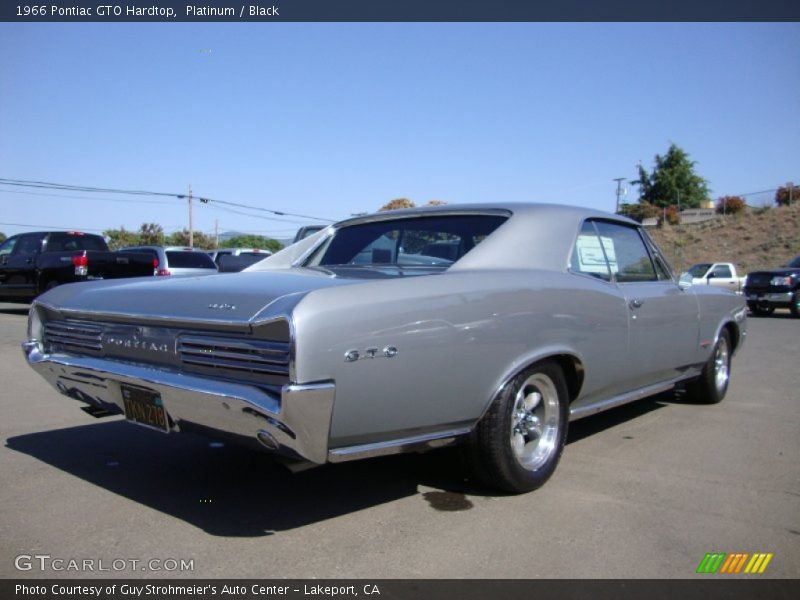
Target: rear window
421,241
64,242
177,259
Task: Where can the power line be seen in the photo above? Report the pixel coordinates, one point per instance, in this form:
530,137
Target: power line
204,200
80,197
53,227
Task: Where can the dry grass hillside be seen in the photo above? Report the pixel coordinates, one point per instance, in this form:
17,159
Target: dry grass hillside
752,241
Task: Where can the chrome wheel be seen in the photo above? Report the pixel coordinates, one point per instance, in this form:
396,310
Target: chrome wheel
722,365
535,422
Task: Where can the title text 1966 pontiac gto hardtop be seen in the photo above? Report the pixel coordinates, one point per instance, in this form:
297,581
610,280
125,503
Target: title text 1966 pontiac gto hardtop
489,325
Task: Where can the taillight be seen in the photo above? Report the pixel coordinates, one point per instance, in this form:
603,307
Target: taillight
159,272
81,264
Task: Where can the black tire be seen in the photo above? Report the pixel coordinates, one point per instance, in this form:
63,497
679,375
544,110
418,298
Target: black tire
712,385
760,311
48,285
518,442
795,307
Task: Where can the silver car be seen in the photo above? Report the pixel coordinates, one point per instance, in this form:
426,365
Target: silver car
177,260
492,326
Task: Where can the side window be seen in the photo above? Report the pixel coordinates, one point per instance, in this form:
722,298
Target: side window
588,257
723,271
7,247
626,252
28,244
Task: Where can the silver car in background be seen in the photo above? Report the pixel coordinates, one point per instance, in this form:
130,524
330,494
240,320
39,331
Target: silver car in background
177,260
492,326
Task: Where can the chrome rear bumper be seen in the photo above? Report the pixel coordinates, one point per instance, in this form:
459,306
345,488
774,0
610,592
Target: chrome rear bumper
294,423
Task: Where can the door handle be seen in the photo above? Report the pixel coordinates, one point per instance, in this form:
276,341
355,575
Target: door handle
636,303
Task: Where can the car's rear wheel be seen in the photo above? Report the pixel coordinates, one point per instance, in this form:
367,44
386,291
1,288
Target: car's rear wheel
712,385
760,311
517,444
795,307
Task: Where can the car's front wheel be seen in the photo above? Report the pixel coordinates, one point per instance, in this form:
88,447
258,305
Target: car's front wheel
712,385
517,444
795,307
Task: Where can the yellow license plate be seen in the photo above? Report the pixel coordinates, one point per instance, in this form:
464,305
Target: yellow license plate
144,407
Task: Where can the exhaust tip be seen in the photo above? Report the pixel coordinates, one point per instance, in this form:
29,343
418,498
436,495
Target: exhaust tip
267,440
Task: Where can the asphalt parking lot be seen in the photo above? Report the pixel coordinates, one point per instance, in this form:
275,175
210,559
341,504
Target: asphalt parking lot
645,490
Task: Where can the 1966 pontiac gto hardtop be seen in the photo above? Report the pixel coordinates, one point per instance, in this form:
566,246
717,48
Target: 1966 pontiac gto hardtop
489,325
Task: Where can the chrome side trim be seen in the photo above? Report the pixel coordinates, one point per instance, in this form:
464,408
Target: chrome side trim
398,446
576,413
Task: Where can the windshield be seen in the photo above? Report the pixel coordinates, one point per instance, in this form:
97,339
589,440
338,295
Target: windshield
698,271
415,242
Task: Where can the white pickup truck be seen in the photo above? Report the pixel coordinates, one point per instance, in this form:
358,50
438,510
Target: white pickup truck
722,275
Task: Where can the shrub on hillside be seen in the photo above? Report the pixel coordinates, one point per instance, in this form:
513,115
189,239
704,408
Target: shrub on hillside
786,195
640,211
731,205
670,215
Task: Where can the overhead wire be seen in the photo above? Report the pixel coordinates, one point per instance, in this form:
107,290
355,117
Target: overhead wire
202,199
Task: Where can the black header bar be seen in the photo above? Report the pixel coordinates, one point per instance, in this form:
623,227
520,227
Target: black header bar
397,10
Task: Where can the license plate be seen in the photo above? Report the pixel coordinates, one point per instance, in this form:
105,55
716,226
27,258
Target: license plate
144,407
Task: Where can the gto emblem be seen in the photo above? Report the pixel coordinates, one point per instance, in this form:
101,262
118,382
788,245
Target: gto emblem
354,355
222,306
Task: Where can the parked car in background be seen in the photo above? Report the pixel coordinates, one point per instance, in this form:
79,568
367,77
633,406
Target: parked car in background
521,319
307,231
721,275
177,260
230,263
259,253
779,288
32,263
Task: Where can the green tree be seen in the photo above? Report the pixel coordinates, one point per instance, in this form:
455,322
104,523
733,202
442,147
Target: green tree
181,238
397,204
252,241
151,234
3,237
120,238
673,181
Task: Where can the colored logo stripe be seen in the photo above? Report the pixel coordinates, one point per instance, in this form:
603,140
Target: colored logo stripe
711,562
758,564
721,562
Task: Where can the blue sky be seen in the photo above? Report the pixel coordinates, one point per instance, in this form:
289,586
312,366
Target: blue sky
332,119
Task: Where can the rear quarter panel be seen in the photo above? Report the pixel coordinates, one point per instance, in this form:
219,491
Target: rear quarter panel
459,336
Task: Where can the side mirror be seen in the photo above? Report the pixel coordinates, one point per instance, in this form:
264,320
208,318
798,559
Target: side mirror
685,281
711,275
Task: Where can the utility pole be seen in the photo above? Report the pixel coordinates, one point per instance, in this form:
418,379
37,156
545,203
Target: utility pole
216,233
619,181
191,228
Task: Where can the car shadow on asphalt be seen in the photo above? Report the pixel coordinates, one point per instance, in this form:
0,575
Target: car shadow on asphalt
224,490
14,310
236,492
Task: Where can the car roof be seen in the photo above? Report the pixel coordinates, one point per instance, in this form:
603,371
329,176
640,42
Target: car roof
534,236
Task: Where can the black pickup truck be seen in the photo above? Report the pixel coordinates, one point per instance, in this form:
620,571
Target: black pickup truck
32,263
767,290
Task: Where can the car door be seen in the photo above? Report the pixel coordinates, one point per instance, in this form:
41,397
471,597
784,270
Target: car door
604,344
663,325
722,277
19,266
